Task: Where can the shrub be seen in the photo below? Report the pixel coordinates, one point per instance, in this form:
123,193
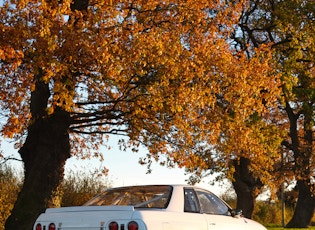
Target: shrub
78,187
271,212
10,185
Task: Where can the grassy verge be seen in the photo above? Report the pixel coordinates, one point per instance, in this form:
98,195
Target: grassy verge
281,228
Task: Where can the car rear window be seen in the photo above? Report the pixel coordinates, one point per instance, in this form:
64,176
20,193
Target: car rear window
152,196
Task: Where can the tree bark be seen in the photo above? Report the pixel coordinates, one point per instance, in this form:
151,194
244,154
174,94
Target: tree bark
44,154
245,186
303,151
304,209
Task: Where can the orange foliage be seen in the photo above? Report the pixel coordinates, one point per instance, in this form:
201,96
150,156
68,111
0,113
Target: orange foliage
161,72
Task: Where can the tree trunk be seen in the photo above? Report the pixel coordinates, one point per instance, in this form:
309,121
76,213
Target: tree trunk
303,150
245,186
44,154
304,209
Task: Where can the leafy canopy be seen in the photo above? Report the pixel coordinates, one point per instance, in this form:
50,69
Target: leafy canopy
162,73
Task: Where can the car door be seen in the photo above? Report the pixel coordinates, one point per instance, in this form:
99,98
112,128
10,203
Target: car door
217,213
192,218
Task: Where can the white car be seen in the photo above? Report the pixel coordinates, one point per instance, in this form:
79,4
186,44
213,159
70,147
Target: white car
148,207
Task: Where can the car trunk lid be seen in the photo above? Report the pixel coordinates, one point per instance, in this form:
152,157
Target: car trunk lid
85,217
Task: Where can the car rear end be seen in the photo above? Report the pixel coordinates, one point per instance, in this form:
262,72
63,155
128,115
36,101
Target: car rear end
89,218
114,209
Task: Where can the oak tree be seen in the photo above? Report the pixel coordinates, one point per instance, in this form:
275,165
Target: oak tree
289,25
161,73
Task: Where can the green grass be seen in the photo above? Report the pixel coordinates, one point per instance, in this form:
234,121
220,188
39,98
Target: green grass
281,228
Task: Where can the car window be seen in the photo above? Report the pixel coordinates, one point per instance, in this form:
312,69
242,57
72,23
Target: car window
153,196
211,204
191,201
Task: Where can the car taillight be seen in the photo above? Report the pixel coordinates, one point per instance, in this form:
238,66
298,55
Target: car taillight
38,227
113,226
132,225
52,226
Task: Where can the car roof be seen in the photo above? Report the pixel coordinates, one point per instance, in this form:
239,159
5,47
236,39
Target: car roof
176,202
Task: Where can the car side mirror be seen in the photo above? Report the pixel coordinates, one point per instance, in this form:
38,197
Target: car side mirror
237,213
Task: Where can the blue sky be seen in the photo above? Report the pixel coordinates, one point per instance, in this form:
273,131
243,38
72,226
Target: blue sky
124,168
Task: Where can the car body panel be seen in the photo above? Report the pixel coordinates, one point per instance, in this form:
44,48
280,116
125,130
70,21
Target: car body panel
186,208
85,216
157,220
219,222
